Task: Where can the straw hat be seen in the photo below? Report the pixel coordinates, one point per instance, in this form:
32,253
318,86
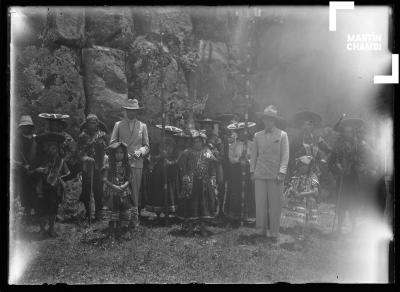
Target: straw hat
303,116
132,104
25,121
271,112
53,116
89,117
171,129
240,125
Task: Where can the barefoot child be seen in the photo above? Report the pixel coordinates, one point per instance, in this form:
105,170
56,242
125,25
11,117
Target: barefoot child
117,201
301,197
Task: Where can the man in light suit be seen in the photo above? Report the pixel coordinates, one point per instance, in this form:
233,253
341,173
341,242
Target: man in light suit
268,166
134,133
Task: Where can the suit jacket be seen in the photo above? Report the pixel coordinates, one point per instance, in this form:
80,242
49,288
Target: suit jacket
138,139
270,154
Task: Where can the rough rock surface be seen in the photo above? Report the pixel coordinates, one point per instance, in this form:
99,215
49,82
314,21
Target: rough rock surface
66,26
50,82
110,27
106,84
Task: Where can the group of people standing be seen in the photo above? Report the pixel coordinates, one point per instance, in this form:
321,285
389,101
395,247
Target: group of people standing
198,175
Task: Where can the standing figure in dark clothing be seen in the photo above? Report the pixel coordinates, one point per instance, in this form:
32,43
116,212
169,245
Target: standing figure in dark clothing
238,159
57,124
307,143
25,151
197,200
215,144
91,146
346,162
51,169
156,196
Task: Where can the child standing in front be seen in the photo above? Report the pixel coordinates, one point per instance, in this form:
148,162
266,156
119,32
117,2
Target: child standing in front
117,201
301,198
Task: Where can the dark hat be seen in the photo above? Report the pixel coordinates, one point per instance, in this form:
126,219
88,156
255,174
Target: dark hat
271,112
25,121
240,125
350,122
50,138
116,145
208,121
132,104
101,125
303,116
171,129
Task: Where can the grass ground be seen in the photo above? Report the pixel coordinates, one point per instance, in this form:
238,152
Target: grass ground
158,254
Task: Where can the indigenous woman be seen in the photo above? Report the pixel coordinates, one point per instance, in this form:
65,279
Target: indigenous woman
25,152
301,197
156,197
306,142
91,146
238,159
198,198
117,200
51,169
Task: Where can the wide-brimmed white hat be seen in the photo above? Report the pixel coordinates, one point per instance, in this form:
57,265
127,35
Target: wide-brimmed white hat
132,104
271,112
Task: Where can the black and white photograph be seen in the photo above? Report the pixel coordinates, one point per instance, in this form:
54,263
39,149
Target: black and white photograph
201,144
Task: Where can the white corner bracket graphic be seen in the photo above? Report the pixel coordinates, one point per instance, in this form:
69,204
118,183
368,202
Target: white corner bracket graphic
335,5
394,78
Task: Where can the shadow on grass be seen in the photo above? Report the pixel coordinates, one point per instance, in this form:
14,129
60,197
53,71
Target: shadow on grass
252,239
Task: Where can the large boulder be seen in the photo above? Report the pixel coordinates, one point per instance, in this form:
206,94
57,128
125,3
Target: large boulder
49,82
105,81
66,26
109,27
144,74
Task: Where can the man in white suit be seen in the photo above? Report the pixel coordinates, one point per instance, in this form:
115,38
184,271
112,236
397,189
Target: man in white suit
134,133
268,166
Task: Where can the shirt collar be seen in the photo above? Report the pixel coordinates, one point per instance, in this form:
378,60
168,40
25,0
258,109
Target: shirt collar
271,131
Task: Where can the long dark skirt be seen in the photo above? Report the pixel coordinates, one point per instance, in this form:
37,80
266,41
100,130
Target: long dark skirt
97,189
47,203
24,185
155,201
233,205
200,204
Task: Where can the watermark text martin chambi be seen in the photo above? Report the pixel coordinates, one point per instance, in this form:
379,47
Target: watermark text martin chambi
364,42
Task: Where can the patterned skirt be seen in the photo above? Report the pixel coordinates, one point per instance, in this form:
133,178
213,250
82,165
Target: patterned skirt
299,210
116,208
201,202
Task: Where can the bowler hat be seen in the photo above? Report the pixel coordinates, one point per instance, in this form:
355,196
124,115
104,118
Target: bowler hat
132,104
25,121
